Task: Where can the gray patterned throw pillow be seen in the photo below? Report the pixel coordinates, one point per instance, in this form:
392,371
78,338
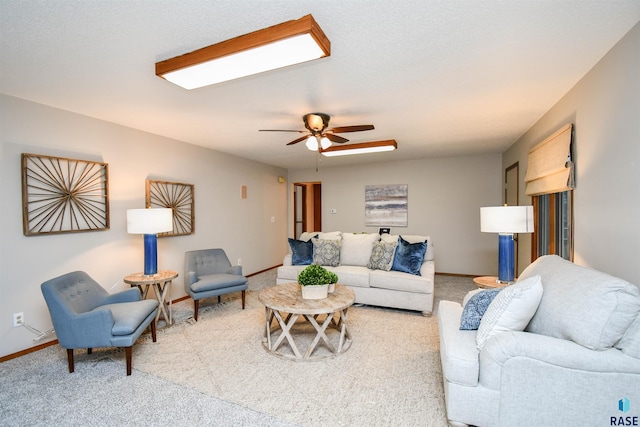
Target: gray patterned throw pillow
382,255
326,252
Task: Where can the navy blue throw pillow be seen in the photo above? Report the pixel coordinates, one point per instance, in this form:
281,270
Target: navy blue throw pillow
302,252
409,256
475,309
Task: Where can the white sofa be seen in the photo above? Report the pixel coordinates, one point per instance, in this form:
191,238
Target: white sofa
576,362
376,287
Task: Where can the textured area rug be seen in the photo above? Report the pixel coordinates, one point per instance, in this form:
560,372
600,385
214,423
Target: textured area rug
391,374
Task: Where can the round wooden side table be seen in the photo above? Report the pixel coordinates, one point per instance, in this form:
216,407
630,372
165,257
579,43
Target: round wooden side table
161,283
489,282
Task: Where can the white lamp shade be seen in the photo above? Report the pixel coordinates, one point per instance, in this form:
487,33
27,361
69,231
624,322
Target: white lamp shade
312,143
506,219
149,221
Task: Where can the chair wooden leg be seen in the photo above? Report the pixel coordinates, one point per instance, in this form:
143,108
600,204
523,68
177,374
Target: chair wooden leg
153,330
243,300
70,359
127,351
196,304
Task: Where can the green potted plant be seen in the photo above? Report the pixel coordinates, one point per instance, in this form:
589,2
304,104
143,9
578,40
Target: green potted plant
333,279
314,281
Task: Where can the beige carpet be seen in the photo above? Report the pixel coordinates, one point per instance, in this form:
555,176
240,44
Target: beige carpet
216,372
391,375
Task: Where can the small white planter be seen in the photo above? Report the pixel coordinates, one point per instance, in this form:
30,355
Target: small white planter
314,292
332,287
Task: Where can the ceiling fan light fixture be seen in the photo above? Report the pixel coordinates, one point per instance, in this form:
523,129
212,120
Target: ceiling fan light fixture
289,43
325,143
363,148
312,143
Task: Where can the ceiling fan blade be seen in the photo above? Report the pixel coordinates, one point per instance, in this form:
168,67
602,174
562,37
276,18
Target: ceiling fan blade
357,128
281,130
335,138
295,141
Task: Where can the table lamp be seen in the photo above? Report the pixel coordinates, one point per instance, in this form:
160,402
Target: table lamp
506,220
150,222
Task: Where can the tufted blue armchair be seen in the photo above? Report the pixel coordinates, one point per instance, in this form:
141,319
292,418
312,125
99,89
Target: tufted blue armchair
84,315
208,273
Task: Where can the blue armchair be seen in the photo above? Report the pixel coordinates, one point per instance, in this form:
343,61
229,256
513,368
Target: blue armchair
84,315
208,273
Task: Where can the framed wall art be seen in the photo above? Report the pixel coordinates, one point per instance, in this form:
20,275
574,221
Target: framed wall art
177,196
386,205
61,195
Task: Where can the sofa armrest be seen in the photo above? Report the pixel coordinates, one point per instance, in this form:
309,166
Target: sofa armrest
428,269
574,385
189,279
129,295
287,260
458,351
505,347
87,330
236,269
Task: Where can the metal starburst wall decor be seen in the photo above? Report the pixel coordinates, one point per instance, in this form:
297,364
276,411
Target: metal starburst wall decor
61,195
177,196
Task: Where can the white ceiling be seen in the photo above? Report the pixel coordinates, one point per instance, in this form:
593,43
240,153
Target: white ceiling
443,78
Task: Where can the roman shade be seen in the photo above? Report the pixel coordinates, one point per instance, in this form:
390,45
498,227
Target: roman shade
550,166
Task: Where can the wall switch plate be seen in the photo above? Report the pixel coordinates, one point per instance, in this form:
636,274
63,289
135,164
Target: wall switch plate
333,211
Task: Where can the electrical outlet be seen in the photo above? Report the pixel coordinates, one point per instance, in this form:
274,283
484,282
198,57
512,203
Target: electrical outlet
239,261
18,319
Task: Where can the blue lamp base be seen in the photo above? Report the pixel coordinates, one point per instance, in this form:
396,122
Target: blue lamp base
150,254
506,259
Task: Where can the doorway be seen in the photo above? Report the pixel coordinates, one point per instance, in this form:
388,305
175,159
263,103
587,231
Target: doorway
307,207
512,197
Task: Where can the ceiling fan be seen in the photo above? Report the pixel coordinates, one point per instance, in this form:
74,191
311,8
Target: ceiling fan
317,134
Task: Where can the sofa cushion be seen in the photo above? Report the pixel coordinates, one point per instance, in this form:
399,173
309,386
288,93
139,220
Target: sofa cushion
351,275
409,256
302,252
356,248
511,309
398,281
324,235
209,282
326,252
583,305
475,308
127,316
382,255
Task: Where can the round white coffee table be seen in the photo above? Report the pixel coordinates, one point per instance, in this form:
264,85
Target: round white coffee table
285,303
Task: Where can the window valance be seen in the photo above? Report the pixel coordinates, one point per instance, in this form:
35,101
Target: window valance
550,167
